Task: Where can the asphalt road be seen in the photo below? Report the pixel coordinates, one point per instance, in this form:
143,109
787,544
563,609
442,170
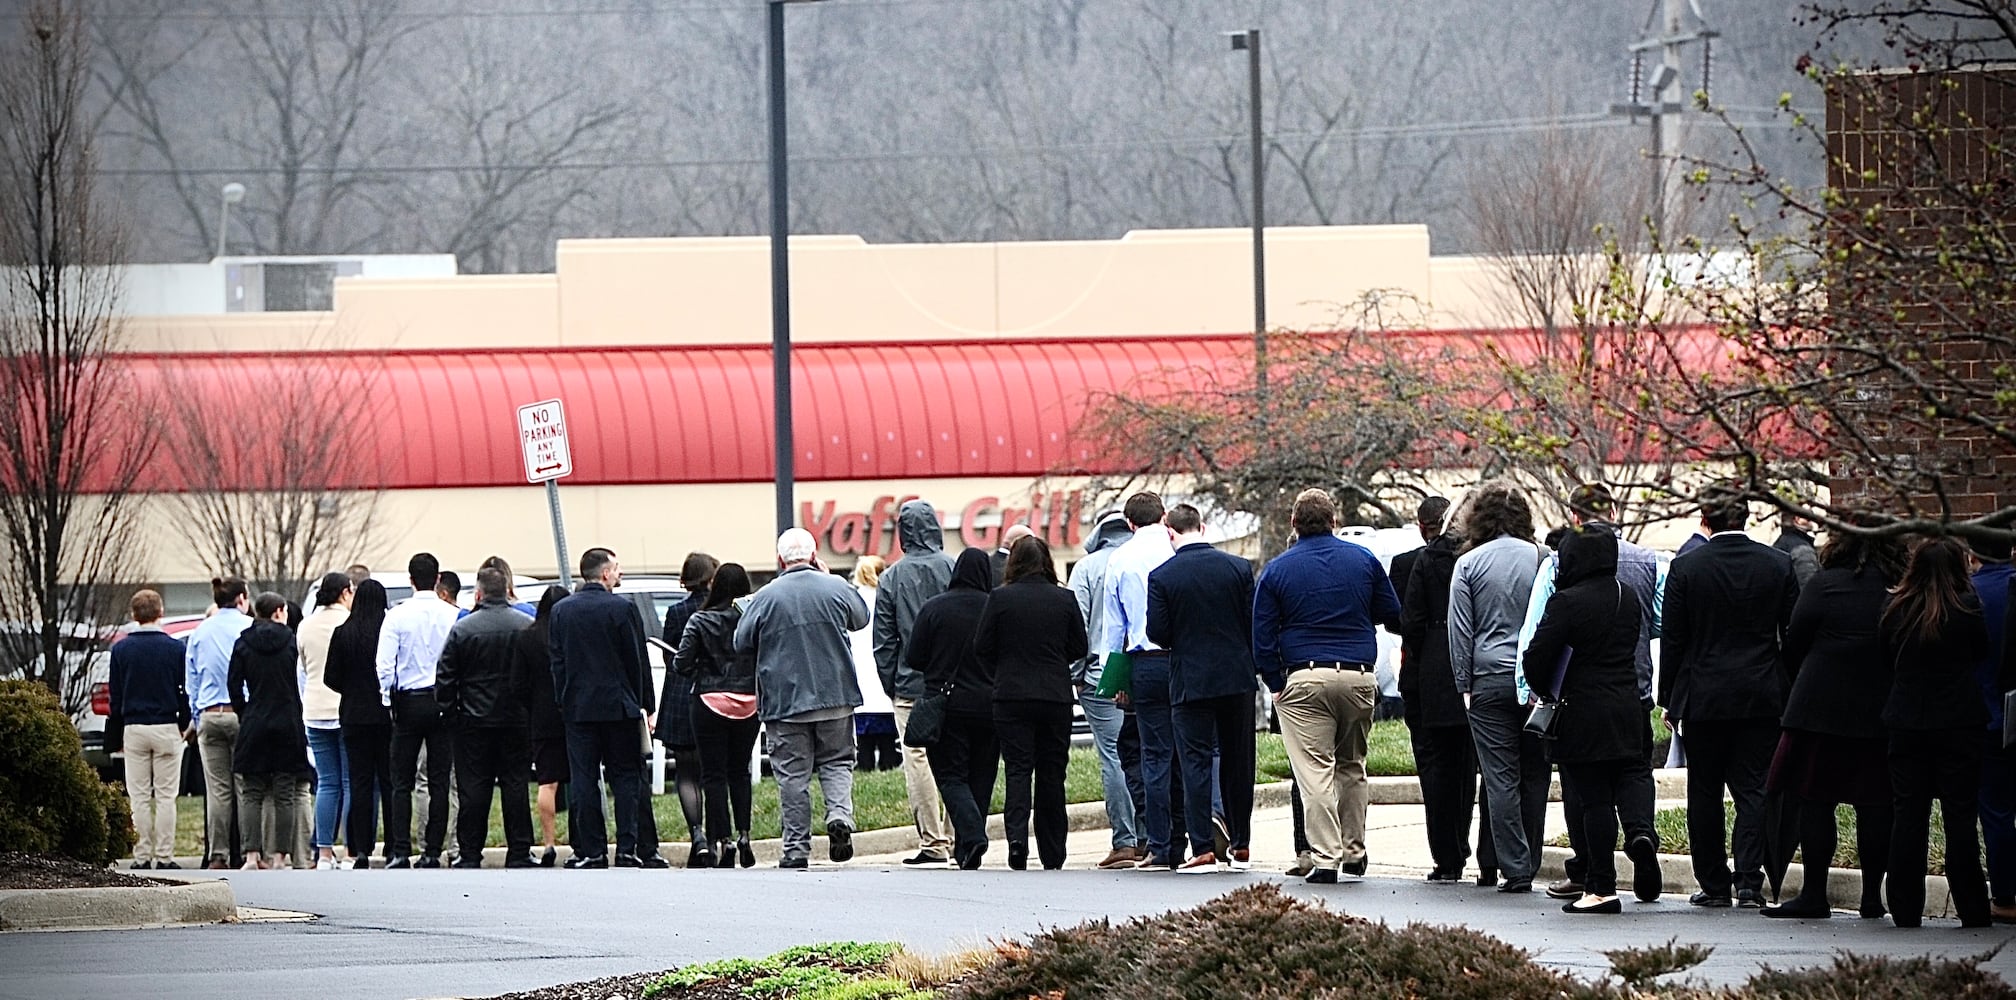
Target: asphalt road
401,935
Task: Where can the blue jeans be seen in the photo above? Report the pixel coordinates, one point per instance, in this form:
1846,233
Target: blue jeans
332,785
1998,817
1150,697
1106,718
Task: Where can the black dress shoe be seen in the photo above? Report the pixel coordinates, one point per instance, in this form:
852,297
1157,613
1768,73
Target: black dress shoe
1487,880
580,863
653,862
428,861
1611,905
549,858
629,861
1647,881
399,863
701,855
467,863
839,841
1443,876
1018,856
167,866
1750,899
1356,869
521,861
140,866
1799,908
795,864
745,854
1322,876
1709,900
724,855
1517,885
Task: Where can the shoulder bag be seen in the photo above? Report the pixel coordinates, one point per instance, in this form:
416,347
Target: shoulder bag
927,719
1545,722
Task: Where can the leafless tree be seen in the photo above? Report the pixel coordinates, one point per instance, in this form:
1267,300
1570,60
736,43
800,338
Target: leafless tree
69,453
280,492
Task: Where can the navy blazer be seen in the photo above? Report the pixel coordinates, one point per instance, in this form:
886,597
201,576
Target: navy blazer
1728,606
600,673
1200,608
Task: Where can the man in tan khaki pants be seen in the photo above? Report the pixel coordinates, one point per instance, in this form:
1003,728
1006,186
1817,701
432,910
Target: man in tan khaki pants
150,709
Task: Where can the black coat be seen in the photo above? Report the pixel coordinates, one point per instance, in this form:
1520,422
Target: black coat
533,650
675,697
1728,604
352,671
1596,617
1400,572
1030,634
707,657
479,681
600,673
266,693
941,641
1427,684
1933,687
1200,608
1840,671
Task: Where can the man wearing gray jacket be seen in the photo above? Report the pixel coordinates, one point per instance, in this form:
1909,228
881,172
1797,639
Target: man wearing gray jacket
922,574
806,692
1103,714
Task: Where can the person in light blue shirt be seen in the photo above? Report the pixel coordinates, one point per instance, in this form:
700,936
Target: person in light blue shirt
1124,593
208,667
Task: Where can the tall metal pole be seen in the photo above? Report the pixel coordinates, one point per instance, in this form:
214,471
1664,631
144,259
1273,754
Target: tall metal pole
780,270
1665,131
559,533
1251,43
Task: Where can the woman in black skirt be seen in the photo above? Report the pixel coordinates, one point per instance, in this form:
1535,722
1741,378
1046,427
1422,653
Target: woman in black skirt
1934,633
1592,620
1833,750
549,734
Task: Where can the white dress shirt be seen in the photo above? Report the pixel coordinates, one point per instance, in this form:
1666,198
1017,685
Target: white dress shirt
1126,587
409,646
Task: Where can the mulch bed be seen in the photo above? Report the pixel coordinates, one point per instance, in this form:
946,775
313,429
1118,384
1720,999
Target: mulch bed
627,987
33,871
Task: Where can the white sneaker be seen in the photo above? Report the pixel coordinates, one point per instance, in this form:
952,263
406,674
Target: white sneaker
325,865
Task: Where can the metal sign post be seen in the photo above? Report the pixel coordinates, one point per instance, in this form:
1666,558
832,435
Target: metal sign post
542,433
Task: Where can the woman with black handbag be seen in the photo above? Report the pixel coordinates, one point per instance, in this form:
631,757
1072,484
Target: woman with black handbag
1585,651
958,703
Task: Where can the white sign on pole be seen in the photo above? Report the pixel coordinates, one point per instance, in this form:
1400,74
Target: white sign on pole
542,431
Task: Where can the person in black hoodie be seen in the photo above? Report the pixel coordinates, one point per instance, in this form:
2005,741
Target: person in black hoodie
723,681
549,733
1437,723
486,694
1584,654
1933,632
1029,636
352,672
964,759
1833,749
272,747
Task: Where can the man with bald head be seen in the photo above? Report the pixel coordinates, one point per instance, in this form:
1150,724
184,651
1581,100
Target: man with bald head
806,691
1015,533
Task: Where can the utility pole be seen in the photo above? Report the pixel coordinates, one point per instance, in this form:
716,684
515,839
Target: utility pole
1659,98
1249,42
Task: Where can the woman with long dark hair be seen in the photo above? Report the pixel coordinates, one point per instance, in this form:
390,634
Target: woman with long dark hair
352,672
723,713
1833,750
272,747
549,733
1029,635
966,755
1933,632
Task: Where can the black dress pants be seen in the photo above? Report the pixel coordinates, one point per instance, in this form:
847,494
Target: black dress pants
1219,727
596,750
725,748
1599,787
963,764
493,758
369,750
1446,758
1636,797
1943,764
417,722
1035,746
1736,756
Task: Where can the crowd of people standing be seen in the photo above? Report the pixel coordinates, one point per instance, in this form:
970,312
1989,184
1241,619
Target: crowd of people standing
1867,671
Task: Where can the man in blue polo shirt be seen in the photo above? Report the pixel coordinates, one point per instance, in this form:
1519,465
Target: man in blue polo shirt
1314,612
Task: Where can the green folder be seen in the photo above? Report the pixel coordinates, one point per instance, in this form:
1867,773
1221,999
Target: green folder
1117,675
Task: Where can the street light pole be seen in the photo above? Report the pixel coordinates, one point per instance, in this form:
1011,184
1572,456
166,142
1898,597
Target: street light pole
232,194
1249,42
780,269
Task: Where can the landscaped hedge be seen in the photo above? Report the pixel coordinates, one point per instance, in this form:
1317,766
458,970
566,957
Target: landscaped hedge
51,801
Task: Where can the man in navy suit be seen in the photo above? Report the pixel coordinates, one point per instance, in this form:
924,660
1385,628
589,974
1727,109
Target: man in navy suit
603,685
1200,607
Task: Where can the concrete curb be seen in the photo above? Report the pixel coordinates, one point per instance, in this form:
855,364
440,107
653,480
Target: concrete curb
1844,885
203,902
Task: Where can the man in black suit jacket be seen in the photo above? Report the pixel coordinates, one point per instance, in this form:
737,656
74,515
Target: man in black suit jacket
602,682
1723,683
1428,519
1200,607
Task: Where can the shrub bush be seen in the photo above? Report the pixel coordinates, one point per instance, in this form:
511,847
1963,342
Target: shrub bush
51,802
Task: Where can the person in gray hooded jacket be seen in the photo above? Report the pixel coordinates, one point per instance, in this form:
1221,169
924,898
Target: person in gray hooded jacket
922,574
1088,582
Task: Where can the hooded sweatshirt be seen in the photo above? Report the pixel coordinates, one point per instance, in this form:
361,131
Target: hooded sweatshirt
1088,582
941,646
266,693
923,573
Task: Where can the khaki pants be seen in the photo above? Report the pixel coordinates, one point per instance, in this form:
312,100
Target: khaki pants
934,835
153,777
215,739
266,813
1326,722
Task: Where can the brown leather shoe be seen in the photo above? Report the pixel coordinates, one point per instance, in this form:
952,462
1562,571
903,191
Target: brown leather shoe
1122,857
1304,864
